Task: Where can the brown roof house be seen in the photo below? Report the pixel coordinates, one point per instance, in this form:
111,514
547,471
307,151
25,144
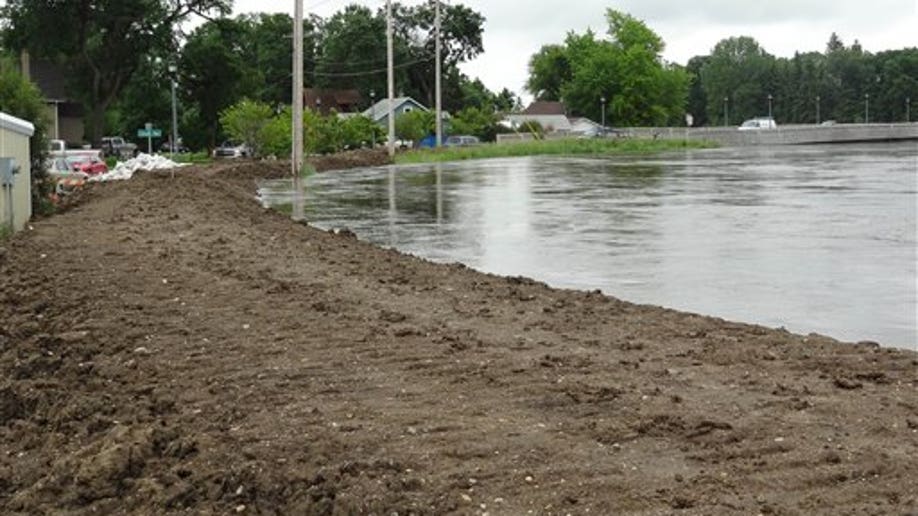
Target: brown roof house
326,101
64,113
552,116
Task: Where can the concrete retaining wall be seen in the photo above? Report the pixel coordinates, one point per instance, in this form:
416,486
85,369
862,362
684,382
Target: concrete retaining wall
783,135
786,135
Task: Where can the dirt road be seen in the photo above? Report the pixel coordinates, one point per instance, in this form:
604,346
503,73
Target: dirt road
168,345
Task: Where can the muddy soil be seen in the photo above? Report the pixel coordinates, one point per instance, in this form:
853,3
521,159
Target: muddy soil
167,345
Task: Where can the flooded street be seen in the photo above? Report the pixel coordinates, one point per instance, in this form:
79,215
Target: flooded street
813,239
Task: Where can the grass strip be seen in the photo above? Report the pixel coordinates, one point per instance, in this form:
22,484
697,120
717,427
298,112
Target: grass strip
566,147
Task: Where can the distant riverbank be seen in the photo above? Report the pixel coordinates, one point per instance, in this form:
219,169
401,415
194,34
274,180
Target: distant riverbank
567,147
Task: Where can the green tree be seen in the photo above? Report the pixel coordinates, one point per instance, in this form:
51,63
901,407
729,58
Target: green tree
214,74
506,101
360,131
462,30
697,99
146,98
476,94
627,70
277,135
353,51
245,121
415,125
482,123
268,54
739,70
101,43
549,70
20,98
897,71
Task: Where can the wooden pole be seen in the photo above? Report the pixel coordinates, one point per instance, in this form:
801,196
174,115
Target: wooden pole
439,79
391,66
297,147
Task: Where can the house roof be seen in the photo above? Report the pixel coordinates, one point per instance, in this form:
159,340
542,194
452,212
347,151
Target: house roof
326,100
380,110
16,125
545,107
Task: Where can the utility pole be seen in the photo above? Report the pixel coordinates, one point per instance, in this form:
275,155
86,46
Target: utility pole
439,81
391,66
297,152
172,71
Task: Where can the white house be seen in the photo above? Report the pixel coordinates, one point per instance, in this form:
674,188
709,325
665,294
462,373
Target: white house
552,116
15,172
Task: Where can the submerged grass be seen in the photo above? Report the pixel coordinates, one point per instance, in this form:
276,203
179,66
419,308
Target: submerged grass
567,147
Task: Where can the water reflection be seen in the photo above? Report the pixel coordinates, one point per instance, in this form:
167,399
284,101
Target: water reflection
811,238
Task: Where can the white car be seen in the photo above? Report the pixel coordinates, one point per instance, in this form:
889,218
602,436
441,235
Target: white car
461,141
232,149
757,124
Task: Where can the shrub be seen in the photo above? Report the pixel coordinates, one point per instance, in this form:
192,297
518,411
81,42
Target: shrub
479,122
270,134
276,135
245,121
415,125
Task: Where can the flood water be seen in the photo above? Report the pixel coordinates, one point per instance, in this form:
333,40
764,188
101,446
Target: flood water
813,239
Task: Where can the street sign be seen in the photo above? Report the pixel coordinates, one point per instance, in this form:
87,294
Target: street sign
152,133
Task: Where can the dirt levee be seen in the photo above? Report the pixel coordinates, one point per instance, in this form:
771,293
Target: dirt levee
167,345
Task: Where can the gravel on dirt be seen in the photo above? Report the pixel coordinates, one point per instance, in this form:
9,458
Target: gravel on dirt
169,346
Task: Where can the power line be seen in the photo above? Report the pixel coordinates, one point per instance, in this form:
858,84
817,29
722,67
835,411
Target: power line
370,72
369,62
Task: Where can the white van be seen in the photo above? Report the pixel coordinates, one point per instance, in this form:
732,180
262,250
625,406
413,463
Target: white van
759,123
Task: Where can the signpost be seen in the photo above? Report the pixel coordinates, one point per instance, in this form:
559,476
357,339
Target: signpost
149,133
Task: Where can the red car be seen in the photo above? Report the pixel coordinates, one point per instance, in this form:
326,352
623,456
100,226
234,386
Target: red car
87,164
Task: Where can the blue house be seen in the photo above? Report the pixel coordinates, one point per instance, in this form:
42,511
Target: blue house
379,112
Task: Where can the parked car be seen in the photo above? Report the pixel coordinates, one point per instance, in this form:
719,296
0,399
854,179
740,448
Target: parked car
86,163
118,147
65,178
232,149
167,147
601,132
463,140
759,123
57,146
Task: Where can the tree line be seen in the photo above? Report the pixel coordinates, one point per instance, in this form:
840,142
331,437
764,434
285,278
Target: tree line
119,56
625,76
845,83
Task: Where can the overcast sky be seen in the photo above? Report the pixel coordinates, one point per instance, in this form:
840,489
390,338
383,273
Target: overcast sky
515,29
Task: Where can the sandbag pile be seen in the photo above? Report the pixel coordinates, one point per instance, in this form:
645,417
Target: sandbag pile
126,169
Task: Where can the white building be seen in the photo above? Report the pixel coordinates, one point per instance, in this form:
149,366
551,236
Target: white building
15,172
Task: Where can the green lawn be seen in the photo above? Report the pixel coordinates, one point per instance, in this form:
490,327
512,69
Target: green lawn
567,147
